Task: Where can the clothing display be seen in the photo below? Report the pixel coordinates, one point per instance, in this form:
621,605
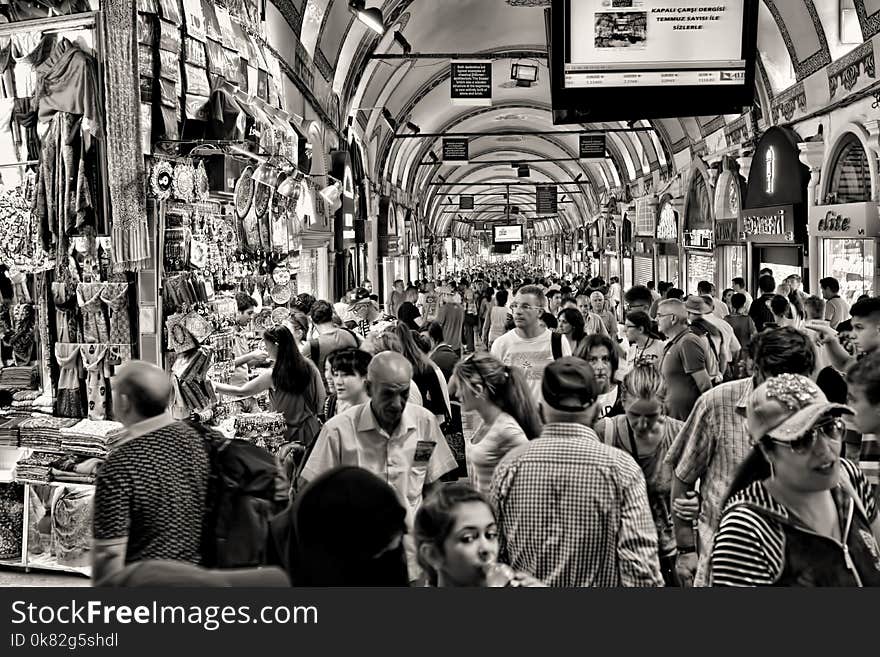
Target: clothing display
95,328
72,516
88,437
115,296
35,468
11,520
97,376
19,377
69,394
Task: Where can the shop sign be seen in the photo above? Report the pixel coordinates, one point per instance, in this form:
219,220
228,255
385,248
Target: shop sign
546,199
767,222
667,227
701,238
846,219
592,146
342,170
726,232
455,150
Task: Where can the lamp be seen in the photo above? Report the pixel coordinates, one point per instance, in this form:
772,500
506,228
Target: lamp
525,75
407,48
266,174
389,119
371,17
412,126
332,195
290,186
523,171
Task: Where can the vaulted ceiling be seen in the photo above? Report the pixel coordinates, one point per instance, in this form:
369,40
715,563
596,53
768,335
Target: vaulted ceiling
795,39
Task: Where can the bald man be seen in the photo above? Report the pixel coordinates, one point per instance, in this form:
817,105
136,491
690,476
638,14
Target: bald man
150,493
400,443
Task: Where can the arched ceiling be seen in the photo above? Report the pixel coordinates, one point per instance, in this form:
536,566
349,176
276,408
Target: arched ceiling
795,39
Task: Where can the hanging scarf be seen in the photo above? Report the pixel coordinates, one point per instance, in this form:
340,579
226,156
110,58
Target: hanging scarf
115,295
67,356
130,237
96,379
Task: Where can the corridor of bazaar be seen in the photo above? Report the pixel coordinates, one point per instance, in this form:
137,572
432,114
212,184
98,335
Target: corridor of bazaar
522,293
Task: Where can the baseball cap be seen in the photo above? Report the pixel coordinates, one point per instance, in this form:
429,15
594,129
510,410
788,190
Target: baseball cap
569,385
787,406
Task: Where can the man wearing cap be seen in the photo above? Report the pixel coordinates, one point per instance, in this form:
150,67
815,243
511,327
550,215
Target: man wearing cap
685,363
729,346
713,443
571,510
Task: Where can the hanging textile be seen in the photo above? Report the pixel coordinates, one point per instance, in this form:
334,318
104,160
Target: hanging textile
72,519
131,245
64,298
115,295
93,357
25,114
69,394
23,339
95,329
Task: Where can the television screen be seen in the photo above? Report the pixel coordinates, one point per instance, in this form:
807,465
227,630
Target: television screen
640,59
509,234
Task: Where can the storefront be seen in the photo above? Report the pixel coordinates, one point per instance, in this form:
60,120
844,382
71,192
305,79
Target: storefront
391,256
846,239
626,252
348,266
844,235
699,230
730,247
774,218
643,240
666,240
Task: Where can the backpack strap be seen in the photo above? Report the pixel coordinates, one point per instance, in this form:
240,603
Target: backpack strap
608,433
556,345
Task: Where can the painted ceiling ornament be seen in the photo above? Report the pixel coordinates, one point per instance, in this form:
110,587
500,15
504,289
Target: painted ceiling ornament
162,179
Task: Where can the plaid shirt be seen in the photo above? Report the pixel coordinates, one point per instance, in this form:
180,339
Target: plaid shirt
575,512
710,448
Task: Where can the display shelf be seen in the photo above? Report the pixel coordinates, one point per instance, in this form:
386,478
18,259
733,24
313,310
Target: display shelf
42,562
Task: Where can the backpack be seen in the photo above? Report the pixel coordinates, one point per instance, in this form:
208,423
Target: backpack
245,489
556,345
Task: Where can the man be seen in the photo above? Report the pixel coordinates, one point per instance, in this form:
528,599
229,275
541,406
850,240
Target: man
739,286
331,338
367,285
765,272
836,309
760,310
529,346
398,442
796,283
554,301
396,298
714,442
441,353
593,324
638,297
865,333
719,308
729,346
864,397
572,511
469,301
451,318
150,493
614,296
655,296
599,306
814,309
685,361
245,358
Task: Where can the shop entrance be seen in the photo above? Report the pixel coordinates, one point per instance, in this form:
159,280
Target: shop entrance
782,260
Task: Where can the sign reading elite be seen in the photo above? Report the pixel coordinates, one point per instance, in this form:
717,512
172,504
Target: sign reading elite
471,82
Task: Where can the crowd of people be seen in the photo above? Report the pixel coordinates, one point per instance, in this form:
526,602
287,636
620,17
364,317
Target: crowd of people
510,428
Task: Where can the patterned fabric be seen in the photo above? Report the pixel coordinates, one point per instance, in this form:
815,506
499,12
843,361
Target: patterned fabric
72,526
97,374
115,295
94,321
574,512
710,448
152,490
69,394
64,297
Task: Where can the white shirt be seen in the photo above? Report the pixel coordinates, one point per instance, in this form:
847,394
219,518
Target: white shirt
488,446
529,355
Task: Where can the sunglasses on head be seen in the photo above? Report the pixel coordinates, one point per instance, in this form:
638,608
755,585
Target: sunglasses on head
832,429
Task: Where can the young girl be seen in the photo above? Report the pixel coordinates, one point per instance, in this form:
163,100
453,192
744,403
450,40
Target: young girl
506,409
457,540
348,381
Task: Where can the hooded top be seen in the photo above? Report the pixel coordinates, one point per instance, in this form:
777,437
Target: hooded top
761,543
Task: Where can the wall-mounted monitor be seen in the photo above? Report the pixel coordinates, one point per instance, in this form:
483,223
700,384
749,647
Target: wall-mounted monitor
507,234
642,59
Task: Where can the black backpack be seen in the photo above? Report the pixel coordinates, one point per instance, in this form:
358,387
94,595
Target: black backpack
245,489
556,345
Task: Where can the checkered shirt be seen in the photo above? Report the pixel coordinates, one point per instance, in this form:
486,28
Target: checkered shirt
574,512
710,448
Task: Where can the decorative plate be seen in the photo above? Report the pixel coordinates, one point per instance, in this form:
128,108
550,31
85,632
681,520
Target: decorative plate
281,294
202,185
279,315
281,276
262,197
184,182
198,256
244,192
162,179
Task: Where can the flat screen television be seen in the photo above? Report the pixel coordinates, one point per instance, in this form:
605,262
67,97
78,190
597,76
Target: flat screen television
617,60
507,234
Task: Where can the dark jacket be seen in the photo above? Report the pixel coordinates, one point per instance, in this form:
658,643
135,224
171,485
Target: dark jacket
760,312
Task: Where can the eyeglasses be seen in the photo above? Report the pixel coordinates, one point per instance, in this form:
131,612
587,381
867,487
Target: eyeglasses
525,307
659,315
630,326
833,429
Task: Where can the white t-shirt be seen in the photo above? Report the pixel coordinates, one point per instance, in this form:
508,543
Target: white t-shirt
530,356
606,402
488,446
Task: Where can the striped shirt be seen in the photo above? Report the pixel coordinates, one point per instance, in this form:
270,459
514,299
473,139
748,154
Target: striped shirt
750,545
710,448
574,512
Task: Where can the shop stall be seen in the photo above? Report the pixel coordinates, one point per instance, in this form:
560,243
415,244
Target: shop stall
666,241
626,250
643,240
730,246
774,218
698,232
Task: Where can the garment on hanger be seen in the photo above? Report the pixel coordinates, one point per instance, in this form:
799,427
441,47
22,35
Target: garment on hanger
64,298
25,114
23,339
69,394
95,328
115,295
97,376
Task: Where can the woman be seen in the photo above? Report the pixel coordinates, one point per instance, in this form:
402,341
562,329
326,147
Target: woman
646,432
572,326
496,322
645,343
797,514
409,316
726,296
600,353
387,340
508,417
426,375
486,302
299,326
457,541
345,529
295,387
348,377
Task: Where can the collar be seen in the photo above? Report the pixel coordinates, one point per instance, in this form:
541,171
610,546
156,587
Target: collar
144,427
367,422
568,430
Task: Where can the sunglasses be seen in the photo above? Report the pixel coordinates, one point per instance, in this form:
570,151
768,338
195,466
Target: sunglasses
832,429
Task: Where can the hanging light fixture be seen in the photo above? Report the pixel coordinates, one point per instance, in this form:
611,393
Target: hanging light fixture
371,17
290,186
266,174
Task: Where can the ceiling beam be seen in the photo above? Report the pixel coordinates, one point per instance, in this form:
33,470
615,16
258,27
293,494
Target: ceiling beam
504,54
507,161
515,133
508,184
